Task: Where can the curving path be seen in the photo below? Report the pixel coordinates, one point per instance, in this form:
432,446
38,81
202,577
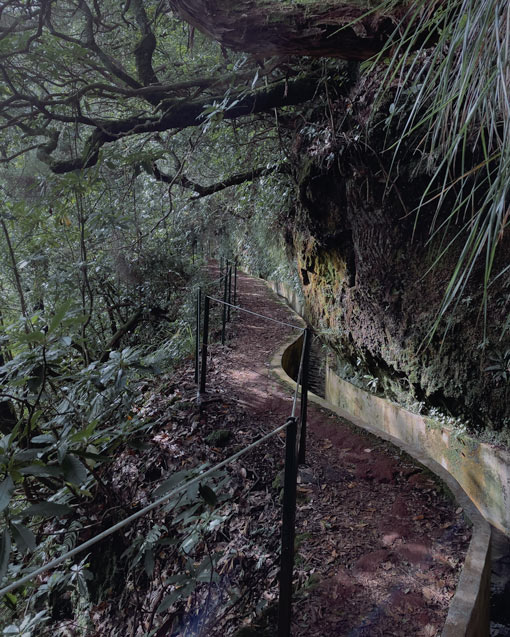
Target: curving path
379,544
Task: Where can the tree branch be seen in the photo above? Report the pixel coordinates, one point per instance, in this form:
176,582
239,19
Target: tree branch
90,43
146,47
122,331
183,113
232,180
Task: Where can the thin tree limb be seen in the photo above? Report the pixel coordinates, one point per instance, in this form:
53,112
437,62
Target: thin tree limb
232,180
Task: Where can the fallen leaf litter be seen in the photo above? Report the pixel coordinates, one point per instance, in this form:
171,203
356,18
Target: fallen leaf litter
378,545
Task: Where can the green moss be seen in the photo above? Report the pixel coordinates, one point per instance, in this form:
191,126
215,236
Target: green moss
277,483
219,438
430,423
300,539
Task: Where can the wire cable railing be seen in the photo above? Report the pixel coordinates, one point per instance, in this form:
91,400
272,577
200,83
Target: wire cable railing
262,316
294,454
138,514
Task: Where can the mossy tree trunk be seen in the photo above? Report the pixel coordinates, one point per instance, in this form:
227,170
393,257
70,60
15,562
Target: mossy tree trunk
347,30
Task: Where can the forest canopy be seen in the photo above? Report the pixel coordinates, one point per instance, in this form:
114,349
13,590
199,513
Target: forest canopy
76,77
80,76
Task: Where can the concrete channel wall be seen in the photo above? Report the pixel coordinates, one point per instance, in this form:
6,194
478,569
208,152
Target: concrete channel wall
482,471
469,469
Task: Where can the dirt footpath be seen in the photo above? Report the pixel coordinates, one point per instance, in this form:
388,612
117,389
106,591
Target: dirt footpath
379,546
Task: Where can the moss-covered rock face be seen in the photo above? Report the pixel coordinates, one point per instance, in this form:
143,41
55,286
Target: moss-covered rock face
367,265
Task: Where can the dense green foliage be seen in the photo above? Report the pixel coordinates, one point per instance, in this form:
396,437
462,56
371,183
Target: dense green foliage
90,308
97,268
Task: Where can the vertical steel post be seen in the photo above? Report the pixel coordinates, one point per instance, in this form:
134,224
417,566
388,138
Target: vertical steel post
229,291
288,531
205,338
197,336
224,317
307,338
235,281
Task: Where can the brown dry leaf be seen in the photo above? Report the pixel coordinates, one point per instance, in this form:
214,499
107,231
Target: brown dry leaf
428,630
428,593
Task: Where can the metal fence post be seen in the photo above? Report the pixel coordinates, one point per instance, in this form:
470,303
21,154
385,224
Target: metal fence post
229,292
304,394
205,338
197,336
288,531
235,281
224,317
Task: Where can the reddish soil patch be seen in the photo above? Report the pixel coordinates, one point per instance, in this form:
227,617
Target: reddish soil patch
379,545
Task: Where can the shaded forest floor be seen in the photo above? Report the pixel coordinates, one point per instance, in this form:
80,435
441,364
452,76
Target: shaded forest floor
378,544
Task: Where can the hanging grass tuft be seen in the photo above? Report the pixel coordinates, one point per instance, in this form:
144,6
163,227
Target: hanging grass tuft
448,67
